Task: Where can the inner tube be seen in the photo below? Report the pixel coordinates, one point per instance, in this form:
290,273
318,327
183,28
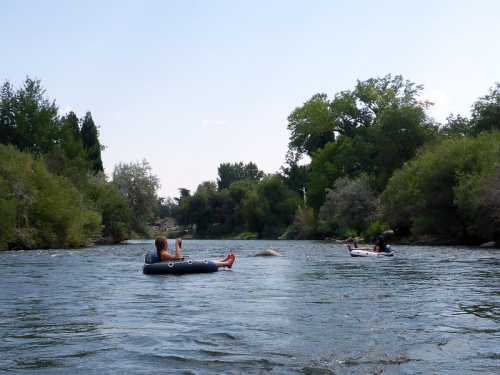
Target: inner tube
153,266
367,253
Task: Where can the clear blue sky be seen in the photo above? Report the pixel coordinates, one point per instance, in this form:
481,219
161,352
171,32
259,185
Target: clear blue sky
190,84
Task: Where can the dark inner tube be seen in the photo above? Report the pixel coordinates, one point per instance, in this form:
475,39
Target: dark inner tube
154,267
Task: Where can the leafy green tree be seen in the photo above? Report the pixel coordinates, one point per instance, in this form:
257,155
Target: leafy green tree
182,214
113,207
168,207
237,194
270,209
138,184
380,125
456,126
68,156
311,126
90,138
486,112
439,193
334,161
38,209
35,119
318,121
232,172
393,140
350,205
296,176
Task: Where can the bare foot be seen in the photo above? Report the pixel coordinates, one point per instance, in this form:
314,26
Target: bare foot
230,260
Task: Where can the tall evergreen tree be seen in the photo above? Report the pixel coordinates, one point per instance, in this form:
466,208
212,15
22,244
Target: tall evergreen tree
7,123
35,119
90,137
70,123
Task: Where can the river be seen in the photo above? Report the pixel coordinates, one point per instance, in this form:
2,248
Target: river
314,310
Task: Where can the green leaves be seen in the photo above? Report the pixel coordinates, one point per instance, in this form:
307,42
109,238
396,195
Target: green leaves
350,205
229,173
443,190
38,209
136,182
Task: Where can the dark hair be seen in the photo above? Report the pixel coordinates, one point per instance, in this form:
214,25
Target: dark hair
160,243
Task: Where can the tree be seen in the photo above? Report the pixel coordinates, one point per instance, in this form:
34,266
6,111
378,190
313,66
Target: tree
7,115
350,205
232,172
35,119
296,176
90,137
319,120
113,207
68,156
486,112
269,209
38,209
304,224
441,193
379,125
168,207
456,126
393,140
335,160
311,126
137,183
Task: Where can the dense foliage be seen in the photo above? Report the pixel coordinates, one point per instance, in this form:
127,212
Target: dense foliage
53,192
262,206
136,182
448,190
362,162
39,209
229,173
377,161
350,205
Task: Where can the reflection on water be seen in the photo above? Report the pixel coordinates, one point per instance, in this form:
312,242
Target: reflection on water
315,310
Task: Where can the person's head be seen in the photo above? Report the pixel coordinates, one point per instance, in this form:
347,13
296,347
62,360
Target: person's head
161,244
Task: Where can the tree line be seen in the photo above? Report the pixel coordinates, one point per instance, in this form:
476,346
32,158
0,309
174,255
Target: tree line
366,160
53,192
359,163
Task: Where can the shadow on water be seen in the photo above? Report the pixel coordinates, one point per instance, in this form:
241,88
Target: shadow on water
486,311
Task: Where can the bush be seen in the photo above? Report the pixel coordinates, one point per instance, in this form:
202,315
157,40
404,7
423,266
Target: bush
39,209
304,225
113,206
375,228
350,205
443,192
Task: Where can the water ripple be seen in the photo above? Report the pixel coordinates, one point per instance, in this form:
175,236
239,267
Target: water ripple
314,310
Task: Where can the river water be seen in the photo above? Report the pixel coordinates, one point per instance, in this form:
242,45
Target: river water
314,310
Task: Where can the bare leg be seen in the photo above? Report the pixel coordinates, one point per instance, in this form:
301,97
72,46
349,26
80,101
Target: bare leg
228,262
227,257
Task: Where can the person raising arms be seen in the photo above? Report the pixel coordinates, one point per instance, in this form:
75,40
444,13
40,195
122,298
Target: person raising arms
161,244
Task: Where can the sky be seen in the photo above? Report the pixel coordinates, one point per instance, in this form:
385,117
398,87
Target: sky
188,85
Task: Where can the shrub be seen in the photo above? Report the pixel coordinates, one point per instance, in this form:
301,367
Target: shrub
39,209
444,190
350,205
